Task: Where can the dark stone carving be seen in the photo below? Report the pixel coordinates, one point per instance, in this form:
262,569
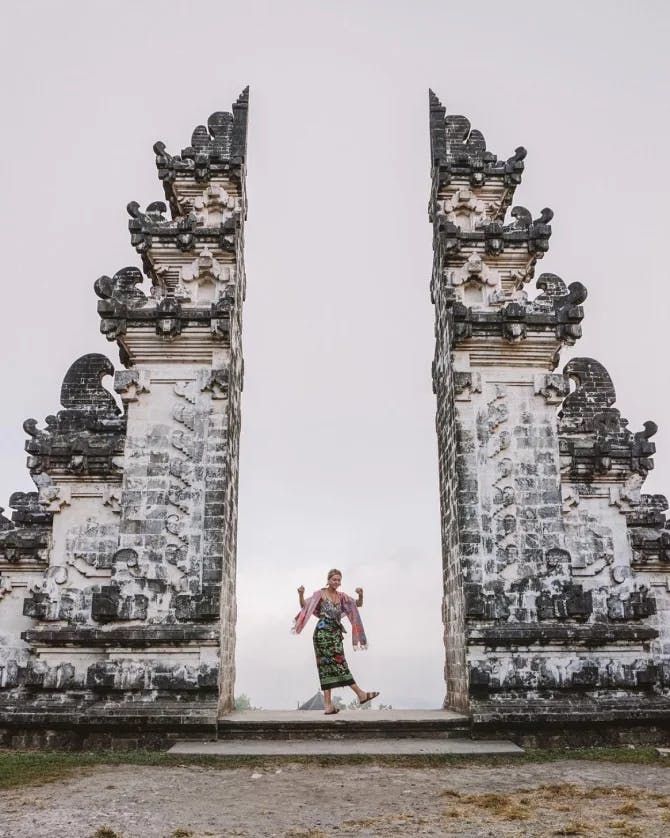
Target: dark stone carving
110,605
586,677
639,605
463,381
24,544
594,395
82,386
129,675
649,512
485,605
642,449
536,232
218,383
221,312
456,148
569,634
26,537
121,635
5,523
145,226
531,673
198,608
122,287
650,544
221,146
168,316
533,237
515,320
566,304
594,438
88,436
571,603
28,511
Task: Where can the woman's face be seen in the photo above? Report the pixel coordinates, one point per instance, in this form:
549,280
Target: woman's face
334,581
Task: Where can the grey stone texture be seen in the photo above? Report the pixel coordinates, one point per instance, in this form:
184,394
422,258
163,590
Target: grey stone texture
556,566
117,577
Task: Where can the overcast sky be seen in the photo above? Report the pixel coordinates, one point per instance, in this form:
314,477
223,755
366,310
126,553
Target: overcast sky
338,461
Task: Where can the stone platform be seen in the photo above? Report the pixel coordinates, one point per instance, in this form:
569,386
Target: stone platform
348,746
350,732
347,724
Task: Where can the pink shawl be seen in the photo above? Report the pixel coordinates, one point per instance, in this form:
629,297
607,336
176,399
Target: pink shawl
348,607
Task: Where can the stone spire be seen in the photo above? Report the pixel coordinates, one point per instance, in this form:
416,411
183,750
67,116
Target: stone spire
118,577
555,566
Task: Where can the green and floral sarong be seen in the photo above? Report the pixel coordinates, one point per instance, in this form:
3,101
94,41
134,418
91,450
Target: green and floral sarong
329,649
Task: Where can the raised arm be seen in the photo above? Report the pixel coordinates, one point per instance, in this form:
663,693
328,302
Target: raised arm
301,596
359,601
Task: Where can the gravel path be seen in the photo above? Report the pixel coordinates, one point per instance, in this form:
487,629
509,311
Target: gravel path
303,801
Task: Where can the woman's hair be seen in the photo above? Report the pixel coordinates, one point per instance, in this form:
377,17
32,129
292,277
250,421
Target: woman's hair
334,571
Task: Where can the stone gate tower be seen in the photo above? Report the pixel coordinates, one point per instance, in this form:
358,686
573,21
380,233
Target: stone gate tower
556,566
117,585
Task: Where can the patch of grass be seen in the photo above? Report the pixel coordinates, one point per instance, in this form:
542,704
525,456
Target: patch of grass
573,828
515,813
503,806
492,802
628,809
105,832
310,833
182,833
362,822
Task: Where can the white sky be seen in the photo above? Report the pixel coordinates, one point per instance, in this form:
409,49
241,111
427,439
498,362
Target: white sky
338,462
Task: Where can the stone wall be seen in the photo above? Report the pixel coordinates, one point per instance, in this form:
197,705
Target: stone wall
117,593
559,560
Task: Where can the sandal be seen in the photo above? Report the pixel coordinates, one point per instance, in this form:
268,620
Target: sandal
331,712
368,697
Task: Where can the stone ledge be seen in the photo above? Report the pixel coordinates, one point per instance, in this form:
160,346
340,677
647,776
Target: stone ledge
527,634
85,717
123,635
573,711
574,730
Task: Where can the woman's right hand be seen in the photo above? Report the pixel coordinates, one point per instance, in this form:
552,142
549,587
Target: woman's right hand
301,590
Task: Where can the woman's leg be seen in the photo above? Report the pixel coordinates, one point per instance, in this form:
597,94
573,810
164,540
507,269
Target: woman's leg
327,701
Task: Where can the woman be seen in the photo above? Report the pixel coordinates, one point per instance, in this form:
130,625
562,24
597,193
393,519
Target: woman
328,604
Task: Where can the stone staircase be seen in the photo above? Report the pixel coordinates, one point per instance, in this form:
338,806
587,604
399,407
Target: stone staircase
350,732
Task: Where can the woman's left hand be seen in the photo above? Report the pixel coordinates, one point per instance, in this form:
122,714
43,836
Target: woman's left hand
359,591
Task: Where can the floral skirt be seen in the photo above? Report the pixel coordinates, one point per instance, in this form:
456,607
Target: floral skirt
329,651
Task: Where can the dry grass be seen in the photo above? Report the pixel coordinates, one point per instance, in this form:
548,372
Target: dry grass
106,832
543,810
574,828
628,809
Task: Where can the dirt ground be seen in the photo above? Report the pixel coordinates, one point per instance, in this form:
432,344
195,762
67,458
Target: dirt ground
306,801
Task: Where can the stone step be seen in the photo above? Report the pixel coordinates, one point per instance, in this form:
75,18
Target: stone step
348,724
346,747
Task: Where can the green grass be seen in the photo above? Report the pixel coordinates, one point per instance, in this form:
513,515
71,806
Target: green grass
35,768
